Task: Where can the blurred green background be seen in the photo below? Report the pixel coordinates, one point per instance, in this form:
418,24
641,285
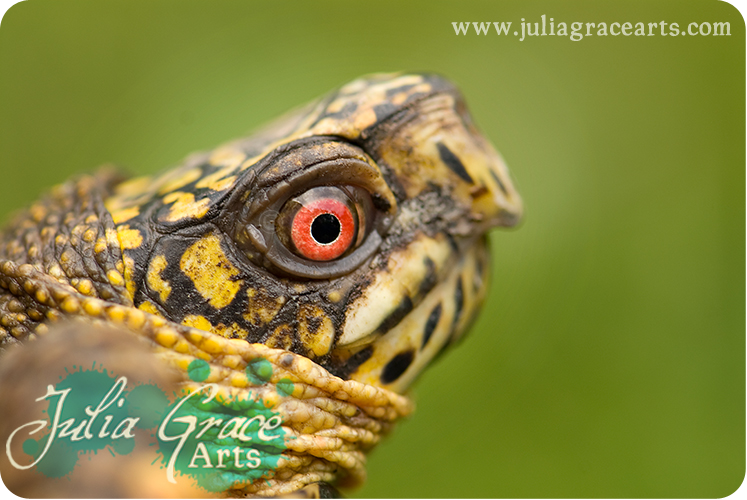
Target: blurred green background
610,358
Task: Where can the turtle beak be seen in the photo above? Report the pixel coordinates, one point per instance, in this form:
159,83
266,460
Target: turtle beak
436,144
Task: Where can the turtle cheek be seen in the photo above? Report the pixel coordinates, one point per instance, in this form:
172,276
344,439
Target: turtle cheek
440,319
394,288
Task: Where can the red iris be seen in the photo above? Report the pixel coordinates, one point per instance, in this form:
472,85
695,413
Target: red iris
323,229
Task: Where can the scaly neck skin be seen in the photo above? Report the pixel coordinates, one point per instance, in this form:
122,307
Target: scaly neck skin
328,422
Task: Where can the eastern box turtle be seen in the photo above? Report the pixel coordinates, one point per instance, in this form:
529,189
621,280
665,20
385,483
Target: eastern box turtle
317,266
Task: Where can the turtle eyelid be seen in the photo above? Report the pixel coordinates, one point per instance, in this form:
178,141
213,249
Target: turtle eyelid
328,162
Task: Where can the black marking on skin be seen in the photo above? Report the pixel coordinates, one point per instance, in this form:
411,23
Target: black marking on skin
353,363
453,162
313,324
478,278
431,324
479,266
397,366
498,180
452,243
430,279
402,88
402,310
184,298
326,490
348,109
384,111
380,202
458,302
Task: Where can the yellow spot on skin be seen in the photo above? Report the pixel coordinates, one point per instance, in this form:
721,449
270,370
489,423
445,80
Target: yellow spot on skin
70,305
92,307
181,181
239,379
89,236
315,330
231,332
167,338
129,239
134,187
271,399
148,307
365,119
337,105
100,245
41,296
227,157
85,287
183,364
222,184
154,279
212,345
78,230
212,274
399,98
135,319
199,322
334,296
157,321
38,212
234,362
125,214
262,308
116,314
112,239
129,271
115,278
216,177
181,346
56,272
332,126
185,207
353,87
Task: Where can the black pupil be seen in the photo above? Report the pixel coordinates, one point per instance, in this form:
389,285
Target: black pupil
325,229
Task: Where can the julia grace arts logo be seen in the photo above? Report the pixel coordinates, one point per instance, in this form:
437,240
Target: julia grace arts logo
215,441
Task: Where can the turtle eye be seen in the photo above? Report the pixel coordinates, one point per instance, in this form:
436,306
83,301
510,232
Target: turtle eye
317,210
324,223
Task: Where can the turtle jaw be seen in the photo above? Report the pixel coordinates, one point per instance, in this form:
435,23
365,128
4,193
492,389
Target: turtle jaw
437,322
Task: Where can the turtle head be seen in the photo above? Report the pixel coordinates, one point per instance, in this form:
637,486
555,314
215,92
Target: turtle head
351,232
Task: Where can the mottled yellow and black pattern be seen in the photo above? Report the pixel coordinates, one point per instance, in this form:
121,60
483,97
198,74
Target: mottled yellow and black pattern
191,245
207,261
